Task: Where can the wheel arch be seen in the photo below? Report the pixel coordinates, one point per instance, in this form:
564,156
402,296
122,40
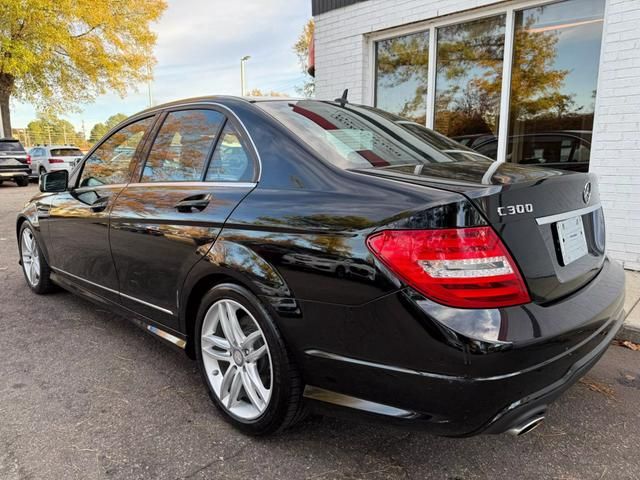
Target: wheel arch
232,262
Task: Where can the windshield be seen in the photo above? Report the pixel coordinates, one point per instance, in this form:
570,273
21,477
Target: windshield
11,146
66,152
355,136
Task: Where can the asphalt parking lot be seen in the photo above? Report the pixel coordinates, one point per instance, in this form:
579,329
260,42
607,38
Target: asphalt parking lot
85,394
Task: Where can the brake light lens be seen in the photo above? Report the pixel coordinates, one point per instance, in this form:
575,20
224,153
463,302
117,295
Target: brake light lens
458,267
56,160
28,159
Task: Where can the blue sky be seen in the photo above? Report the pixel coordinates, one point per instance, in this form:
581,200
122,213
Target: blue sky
198,50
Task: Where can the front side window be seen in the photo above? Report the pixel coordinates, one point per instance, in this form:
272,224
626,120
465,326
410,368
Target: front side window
469,77
181,148
231,161
401,75
554,80
109,163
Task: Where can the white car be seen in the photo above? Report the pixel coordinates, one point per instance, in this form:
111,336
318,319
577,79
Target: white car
50,158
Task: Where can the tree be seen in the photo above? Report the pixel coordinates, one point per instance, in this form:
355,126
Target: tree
51,130
256,92
56,53
99,130
301,48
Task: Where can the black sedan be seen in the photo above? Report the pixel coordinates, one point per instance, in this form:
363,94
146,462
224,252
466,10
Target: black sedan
316,254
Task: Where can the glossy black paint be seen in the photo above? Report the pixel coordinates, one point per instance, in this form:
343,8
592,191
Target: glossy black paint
296,238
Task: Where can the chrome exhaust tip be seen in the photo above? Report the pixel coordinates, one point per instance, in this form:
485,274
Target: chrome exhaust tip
527,426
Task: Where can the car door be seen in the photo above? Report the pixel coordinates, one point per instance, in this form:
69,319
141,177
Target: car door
197,170
78,219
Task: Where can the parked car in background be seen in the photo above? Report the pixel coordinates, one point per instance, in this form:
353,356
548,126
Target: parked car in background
14,162
311,253
49,158
566,149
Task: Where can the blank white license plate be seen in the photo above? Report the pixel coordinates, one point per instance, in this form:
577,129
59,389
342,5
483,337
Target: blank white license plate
573,243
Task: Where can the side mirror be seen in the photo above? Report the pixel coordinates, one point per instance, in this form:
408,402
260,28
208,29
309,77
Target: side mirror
54,181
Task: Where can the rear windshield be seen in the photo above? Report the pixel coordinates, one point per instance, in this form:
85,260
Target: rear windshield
66,152
355,136
11,146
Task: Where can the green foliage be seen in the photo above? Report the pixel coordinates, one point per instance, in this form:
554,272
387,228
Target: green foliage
301,49
56,53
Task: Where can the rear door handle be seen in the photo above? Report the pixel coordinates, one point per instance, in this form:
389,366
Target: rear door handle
199,202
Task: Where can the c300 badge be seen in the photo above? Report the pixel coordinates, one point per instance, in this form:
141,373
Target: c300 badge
517,209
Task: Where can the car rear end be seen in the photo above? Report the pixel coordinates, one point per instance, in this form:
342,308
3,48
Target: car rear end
505,295
14,162
63,158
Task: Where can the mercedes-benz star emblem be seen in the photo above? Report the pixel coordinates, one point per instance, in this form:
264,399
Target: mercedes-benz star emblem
586,192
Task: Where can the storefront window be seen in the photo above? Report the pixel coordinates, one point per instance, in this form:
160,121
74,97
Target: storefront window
401,75
469,78
553,83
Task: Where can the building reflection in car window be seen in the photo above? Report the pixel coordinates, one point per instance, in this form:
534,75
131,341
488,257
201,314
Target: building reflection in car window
179,152
109,163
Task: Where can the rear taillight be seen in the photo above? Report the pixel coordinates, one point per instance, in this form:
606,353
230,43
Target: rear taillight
56,160
459,267
28,159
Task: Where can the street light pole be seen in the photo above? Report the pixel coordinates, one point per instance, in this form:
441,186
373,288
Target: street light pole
243,86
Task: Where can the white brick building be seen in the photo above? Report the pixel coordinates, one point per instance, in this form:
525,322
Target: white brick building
384,52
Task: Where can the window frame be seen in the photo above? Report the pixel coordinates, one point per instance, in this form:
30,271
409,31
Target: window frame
134,159
250,146
432,26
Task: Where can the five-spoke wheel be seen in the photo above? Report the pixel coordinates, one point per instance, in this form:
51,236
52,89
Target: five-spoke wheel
244,361
30,257
237,360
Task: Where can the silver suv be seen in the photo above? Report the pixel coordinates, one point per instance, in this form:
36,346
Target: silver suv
45,159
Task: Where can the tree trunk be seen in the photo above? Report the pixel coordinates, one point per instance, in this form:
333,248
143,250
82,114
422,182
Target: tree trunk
6,87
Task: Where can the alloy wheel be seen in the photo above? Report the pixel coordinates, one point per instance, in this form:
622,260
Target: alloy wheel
237,360
30,257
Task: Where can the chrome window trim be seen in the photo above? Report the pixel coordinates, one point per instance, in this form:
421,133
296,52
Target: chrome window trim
194,184
222,107
563,216
59,270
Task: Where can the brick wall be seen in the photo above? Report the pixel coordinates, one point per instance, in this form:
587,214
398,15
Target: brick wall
615,156
342,61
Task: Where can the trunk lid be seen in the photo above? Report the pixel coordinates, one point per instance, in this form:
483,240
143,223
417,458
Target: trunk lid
550,220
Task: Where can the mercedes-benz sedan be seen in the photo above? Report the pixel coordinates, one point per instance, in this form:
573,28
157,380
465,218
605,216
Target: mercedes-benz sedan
323,254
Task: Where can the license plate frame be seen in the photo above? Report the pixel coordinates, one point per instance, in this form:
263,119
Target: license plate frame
571,239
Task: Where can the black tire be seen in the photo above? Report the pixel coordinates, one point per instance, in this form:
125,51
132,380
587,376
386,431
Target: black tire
22,181
44,283
286,405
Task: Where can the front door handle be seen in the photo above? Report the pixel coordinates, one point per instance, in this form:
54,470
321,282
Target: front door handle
99,204
199,202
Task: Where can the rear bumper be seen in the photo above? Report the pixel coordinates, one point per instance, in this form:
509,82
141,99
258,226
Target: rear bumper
15,174
463,386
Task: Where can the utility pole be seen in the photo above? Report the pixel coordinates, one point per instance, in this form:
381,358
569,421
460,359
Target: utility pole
64,133
243,86
149,85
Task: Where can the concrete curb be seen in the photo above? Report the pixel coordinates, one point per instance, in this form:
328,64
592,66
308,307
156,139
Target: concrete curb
630,333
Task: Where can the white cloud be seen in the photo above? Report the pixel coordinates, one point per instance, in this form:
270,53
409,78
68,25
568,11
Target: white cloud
199,46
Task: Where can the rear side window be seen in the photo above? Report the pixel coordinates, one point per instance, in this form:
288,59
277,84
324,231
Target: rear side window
66,152
181,148
11,146
109,163
231,161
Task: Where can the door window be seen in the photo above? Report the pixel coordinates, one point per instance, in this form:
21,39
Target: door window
181,148
231,161
109,163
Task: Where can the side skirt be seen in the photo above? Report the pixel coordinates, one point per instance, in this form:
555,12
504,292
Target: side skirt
172,338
